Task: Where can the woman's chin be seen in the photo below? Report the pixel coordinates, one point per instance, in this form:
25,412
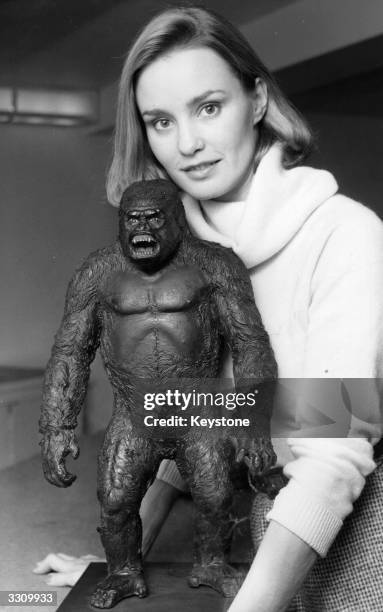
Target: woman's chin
204,190
217,187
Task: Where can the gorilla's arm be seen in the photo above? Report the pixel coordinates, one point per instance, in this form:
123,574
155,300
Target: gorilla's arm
253,357
254,364
67,373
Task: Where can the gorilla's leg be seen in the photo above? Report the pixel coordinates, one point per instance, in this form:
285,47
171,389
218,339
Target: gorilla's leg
126,466
205,464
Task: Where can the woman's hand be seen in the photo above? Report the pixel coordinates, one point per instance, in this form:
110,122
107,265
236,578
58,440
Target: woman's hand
65,570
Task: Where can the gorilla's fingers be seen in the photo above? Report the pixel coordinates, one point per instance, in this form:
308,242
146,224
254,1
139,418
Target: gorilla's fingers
257,464
49,473
254,464
74,448
240,455
234,442
271,458
66,478
62,477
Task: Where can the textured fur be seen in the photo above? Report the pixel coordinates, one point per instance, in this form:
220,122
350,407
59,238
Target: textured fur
158,318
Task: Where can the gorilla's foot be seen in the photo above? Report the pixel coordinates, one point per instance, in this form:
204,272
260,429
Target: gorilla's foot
219,576
117,586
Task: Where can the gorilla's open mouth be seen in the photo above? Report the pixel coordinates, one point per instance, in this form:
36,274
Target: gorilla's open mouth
143,246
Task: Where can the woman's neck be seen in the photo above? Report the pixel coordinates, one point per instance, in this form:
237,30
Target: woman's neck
224,217
240,192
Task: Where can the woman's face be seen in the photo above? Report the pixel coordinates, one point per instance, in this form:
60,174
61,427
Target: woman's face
200,122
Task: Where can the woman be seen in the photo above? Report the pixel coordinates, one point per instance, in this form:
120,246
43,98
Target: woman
196,105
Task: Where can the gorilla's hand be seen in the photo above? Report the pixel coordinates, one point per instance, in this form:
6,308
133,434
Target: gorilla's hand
55,446
257,453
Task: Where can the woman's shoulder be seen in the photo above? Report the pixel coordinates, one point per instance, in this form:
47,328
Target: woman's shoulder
343,220
346,212
350,238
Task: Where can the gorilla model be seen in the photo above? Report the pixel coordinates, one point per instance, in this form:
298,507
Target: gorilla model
162,305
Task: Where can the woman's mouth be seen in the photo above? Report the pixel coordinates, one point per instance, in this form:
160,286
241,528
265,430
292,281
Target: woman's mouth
202,170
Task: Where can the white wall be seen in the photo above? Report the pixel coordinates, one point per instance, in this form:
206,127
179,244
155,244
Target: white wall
53,213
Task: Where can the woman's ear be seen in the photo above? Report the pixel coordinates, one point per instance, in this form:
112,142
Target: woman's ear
260,98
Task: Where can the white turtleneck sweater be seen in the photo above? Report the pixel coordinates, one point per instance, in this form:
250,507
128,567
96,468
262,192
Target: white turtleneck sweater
315,260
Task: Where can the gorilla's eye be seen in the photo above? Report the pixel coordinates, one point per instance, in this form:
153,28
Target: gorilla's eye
131,221
156,222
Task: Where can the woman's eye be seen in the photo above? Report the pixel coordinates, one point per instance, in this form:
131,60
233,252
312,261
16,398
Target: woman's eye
210,109
161,124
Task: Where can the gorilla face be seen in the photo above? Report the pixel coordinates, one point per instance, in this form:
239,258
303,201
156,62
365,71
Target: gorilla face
150,226
142,233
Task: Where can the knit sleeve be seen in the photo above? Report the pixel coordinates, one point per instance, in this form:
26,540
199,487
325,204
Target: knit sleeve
326,476
343,385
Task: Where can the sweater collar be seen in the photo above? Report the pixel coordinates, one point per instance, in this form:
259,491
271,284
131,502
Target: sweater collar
278,204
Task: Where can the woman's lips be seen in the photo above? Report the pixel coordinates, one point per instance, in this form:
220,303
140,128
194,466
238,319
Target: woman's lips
200,170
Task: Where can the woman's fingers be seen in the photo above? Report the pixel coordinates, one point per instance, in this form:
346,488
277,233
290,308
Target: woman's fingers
66,557
66,578
60,562
64,570
57,562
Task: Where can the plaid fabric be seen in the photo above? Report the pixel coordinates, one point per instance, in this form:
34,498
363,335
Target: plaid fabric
350,578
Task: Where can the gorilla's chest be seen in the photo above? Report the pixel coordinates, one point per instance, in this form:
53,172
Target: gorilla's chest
159,324
173,290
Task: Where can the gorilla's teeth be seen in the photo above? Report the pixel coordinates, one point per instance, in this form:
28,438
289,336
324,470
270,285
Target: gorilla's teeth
142,238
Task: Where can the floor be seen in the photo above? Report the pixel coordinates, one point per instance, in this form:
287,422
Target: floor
37,518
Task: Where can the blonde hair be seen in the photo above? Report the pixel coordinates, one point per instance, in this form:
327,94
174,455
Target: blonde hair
196,27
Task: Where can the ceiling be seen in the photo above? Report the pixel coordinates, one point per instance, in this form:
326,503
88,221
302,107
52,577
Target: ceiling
81,43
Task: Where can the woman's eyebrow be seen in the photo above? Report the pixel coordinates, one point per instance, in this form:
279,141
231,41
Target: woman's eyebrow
193,102
201,97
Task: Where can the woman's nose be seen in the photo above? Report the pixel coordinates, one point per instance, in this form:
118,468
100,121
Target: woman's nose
189,141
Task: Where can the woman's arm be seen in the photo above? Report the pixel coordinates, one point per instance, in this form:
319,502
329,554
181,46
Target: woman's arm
327,475
279,568
155,507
